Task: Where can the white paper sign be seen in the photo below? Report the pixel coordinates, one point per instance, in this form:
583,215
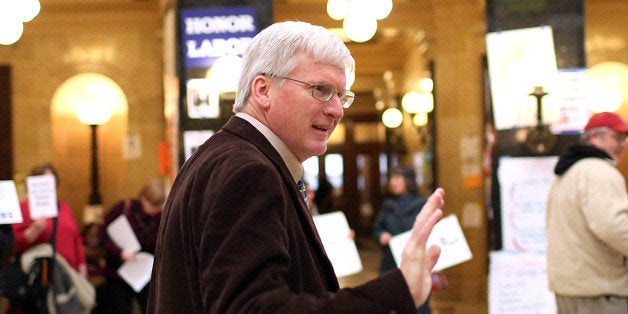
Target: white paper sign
121,233
524,187
10,212
334,231
518,284
137,272
519,60
447,234
193,139
42,196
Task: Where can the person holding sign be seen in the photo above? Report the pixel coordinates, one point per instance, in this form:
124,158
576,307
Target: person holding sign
587,222
142,216
36,229
397,215
237,236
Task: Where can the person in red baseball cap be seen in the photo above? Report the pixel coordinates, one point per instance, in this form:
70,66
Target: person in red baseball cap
587,221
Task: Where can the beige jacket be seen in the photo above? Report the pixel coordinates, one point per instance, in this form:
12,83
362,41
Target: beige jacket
587,231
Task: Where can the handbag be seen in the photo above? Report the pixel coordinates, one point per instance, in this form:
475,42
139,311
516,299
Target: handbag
26,288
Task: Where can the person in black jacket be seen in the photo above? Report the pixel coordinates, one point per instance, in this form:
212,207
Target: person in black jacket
397,215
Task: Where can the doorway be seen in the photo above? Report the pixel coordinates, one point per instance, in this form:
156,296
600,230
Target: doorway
6,124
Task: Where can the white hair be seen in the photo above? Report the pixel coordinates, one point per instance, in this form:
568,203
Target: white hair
274,50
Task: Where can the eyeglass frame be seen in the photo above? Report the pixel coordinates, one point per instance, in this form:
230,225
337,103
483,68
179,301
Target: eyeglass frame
347,95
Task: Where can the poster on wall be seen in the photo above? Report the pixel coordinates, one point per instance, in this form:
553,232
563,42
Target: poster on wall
199,104
570,95
525,183
518,61
192,139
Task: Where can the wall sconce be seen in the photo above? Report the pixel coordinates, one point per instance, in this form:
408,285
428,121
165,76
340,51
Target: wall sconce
360,16
13,15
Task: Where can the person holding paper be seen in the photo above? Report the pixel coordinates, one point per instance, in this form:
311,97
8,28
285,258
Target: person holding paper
68,241
397,215
143,215
587,222
237,236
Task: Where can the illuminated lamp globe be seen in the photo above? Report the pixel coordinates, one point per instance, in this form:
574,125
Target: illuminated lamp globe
359,28
225,73
380,9
337,9
411,102
10,30
426,103
607,86
426,85
27,10
392,118
93,97
420,119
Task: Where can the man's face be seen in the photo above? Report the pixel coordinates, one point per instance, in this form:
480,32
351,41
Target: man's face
611,142
301,121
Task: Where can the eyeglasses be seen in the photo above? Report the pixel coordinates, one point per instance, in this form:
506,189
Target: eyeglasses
324,92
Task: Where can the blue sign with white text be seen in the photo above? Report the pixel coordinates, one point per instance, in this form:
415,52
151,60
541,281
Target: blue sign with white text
210,33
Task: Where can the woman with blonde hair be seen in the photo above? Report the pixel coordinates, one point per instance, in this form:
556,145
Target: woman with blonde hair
144,215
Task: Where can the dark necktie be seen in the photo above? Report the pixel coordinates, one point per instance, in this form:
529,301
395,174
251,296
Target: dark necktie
301,185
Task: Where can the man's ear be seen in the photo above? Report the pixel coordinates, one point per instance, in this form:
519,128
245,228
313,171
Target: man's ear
260,91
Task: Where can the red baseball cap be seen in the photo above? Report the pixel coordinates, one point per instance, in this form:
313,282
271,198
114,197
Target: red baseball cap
607,119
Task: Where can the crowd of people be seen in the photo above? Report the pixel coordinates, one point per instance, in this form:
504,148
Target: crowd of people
88,250
237,234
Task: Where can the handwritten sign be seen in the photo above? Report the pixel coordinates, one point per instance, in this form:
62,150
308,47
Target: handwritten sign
525,183
447,234
42,196
333,229
518,284
9,203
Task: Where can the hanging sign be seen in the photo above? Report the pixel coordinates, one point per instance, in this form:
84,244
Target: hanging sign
209,33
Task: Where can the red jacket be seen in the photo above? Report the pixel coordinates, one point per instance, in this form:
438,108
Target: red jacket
68,241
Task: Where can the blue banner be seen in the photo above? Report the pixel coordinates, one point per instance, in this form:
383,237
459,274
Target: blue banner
209,33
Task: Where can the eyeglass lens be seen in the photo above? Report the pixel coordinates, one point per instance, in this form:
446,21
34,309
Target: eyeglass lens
324,92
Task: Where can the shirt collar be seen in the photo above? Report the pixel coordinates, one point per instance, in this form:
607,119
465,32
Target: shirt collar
291,161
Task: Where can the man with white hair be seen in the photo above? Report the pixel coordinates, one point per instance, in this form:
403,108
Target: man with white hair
236,233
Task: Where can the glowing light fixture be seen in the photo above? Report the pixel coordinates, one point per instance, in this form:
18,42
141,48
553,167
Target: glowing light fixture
12,16
380,8
392,117
411,102
337,9
26,10
420,119
426,85
607,86
225,73
359,28
360,16
10,30
93,97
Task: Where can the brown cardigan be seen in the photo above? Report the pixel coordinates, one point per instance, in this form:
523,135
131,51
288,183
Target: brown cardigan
235,237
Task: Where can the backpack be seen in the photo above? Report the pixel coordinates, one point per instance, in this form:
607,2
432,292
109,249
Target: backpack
40,281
